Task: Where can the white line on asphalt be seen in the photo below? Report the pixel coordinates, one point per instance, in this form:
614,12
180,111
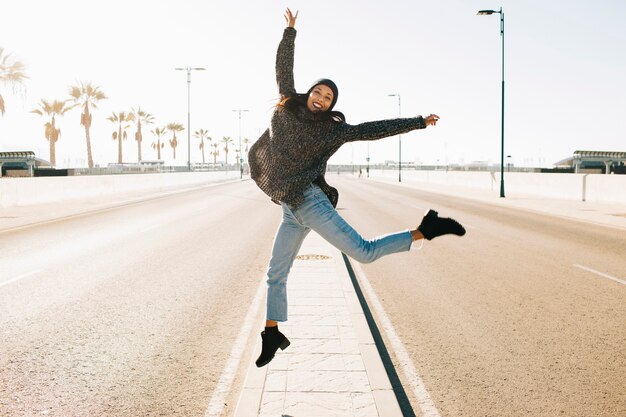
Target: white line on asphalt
147,229
424,401
19,277
602,274
216,405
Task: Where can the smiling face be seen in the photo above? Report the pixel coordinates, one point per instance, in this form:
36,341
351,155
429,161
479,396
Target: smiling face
320,98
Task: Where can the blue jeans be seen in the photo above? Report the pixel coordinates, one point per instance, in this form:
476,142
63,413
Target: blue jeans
317,213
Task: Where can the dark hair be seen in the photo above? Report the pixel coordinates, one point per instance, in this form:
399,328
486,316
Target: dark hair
297,104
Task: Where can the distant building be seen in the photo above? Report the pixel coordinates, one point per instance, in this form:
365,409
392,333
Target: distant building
595,162
20,164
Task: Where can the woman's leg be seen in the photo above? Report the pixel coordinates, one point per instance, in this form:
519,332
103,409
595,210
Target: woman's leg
317,213
287,243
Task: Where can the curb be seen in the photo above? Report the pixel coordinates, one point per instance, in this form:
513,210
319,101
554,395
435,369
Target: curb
386,403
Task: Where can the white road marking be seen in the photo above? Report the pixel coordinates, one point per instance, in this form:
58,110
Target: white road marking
19,277
216,405
602,274
147,229
424,401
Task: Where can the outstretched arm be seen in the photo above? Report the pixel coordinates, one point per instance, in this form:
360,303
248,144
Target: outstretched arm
284,56
386,128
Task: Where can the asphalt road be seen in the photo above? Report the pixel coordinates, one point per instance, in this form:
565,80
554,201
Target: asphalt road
501,322
130,311
133,311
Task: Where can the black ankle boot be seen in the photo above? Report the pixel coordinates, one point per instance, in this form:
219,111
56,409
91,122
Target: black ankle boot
272,340
432,226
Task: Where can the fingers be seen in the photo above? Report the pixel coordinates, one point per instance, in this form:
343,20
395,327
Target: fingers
290,18
432,120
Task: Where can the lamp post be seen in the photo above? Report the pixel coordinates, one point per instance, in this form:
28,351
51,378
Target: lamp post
240,150
189,69
399,138
490,12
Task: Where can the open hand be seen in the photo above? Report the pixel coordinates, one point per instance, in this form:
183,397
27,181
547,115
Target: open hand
431,120
290,18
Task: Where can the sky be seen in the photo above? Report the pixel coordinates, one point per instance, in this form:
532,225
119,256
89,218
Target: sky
565,61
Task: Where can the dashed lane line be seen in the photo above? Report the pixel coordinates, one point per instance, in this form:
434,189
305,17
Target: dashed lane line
602,274
147,229
19,277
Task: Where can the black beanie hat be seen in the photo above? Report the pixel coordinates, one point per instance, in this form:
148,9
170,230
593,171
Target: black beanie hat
330,84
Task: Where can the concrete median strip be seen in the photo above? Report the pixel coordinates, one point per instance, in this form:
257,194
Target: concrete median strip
332,367
427,407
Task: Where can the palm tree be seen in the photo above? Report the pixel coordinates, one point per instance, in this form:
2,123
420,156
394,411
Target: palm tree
122,119
158,145
246,141
202,134
174,127
215,152
141,117
86,96
52,133
226,140
11,73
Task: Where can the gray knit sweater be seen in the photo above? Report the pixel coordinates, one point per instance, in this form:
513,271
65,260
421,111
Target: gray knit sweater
293,152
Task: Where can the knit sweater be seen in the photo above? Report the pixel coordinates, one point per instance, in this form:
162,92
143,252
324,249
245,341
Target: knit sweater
292,154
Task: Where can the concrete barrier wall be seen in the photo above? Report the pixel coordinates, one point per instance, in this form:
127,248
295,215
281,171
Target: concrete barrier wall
606,188
581,187
36,190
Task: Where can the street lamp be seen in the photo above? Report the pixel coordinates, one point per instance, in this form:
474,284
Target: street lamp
399,138
240,151
490,12
189,69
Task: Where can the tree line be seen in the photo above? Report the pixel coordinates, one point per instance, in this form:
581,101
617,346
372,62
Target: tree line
86,96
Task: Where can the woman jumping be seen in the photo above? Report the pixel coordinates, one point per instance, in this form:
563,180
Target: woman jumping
288,163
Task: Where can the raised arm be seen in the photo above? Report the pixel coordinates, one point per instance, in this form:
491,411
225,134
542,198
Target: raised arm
284,56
